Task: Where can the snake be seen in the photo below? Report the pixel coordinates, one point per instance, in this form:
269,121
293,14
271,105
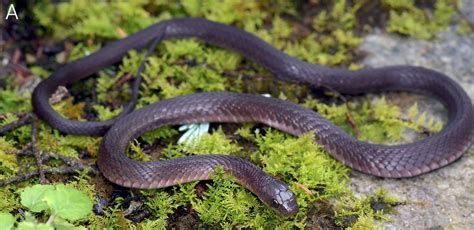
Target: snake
389,161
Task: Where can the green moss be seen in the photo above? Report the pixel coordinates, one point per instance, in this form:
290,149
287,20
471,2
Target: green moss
113,218
69,145
10,198
407,19
17,137
465,27
13,101
214,143
69,109
38,71
378,122
81,50
161,133
302,160
8,162
399,4
226,204
86,19
361,213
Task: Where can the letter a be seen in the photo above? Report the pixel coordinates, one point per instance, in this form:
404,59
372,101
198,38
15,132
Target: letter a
11,12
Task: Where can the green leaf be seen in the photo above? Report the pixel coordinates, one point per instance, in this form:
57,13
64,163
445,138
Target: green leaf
68,203
61,224
6,220
32,197
34,226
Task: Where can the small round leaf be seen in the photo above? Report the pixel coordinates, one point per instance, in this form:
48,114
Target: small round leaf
34,226
32,197
6,220
68,203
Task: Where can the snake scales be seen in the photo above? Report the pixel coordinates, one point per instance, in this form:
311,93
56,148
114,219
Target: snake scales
396,161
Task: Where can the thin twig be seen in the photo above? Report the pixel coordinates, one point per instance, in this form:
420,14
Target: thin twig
120,82
67,160
37,154
305,189
353,124
20,71
64,170
46,155
23,120
73,166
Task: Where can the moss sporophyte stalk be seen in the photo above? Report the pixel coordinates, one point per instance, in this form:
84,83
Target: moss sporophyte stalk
329,36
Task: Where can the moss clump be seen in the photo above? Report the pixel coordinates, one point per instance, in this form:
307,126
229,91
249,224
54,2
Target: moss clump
465,27
407,19
10,198
13,101
8,162
377,122
86,19
362,213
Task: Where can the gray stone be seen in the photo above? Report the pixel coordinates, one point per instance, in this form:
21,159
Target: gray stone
467,10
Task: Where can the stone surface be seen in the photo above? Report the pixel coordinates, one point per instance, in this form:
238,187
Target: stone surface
443,199
468,10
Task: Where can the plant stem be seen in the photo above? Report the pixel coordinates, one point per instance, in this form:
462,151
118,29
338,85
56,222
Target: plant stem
50,219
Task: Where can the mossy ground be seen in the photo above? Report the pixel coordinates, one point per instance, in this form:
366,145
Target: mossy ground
323,32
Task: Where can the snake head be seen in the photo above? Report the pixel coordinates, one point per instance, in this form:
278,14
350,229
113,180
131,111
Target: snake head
279,197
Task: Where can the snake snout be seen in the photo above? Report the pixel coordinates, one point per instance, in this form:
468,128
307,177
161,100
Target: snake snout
280,198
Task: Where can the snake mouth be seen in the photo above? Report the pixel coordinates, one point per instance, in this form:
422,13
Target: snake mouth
287,209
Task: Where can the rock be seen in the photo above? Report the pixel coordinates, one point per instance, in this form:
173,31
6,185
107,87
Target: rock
468,10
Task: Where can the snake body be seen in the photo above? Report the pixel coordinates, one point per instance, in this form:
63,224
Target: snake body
394,161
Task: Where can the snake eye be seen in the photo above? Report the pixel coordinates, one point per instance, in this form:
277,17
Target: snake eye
275,203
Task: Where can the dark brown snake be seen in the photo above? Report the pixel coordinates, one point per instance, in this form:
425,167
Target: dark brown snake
395,161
